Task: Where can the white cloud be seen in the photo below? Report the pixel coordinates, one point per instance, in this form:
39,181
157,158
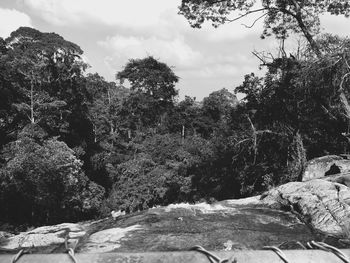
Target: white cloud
175,52
231,32
201,70
205,59
335,24
10,20
158,17
171,23
234,31
109,12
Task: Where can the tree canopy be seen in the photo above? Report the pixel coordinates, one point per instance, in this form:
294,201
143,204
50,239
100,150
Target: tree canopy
280,16
150,76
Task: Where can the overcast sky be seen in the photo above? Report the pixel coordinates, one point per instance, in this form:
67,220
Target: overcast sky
112,31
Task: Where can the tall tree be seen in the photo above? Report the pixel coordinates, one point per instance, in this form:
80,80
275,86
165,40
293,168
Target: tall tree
153,91
219,104
45,72
150,76
7,97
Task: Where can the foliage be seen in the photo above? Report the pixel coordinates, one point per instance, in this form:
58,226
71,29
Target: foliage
299,99
106,107
187,117
46,180
219,104
151,77
44,76
161,173
153,92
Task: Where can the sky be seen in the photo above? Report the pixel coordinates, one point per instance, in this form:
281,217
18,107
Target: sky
111,32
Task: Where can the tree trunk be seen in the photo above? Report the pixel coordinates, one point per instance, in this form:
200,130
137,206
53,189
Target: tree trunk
255,139
345,103
309,37
296,160
111,128
109,97
32,120
183,134
94,130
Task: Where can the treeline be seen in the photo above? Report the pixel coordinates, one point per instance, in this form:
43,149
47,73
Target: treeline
74,146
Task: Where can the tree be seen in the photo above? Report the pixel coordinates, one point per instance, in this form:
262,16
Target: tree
151,77
153,92
44,84
219,104
45,73
7,97
39,59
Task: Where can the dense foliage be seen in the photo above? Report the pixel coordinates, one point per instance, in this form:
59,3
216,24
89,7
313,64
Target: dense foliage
75,146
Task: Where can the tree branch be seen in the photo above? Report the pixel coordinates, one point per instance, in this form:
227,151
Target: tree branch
263,58
242,141
255,139
346,62
256,20
342,81
297,7
246,14
328,112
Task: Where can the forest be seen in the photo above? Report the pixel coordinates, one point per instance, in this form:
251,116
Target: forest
74,146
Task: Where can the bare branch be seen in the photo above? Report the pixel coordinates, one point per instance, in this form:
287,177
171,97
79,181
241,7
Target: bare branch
333,64
28,117
256,20
242,141
24,74
328,112
268,131
259,57
342,81
263,58
347,63
255,139
246,14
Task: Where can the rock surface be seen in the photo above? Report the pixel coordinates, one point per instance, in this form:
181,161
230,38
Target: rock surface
321,204
298,211
48,239
325,165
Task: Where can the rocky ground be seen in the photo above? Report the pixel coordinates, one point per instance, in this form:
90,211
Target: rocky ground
298,211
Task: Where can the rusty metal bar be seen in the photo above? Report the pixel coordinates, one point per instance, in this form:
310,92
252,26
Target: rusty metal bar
242,256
